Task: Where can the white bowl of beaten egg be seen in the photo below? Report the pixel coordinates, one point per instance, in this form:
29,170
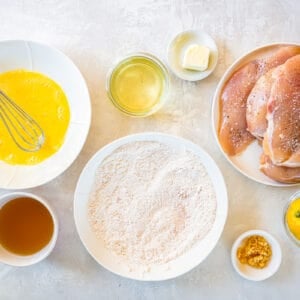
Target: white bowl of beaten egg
48,86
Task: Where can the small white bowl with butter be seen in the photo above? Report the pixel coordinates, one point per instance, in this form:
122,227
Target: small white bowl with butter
192,55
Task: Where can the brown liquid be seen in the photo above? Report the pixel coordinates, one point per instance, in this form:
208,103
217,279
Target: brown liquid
26,226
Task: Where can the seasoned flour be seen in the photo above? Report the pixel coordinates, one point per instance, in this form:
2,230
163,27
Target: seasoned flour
150,203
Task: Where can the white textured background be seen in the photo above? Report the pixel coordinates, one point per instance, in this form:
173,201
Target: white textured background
97,33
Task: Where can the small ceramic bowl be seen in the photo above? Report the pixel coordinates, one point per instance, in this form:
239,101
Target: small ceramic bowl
179,45
26,260
249,272
289,233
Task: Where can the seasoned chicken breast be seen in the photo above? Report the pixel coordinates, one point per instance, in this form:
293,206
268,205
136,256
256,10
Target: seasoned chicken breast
233,134
282,138
279,173
256,113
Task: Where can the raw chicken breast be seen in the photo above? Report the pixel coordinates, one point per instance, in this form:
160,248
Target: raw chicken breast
256,113
257,100
282,138
279,57
278,173
233,134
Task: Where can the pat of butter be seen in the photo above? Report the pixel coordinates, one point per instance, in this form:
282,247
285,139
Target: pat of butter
196,58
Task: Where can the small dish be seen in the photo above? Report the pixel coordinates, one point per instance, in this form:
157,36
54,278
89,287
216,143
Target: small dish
134,72
251,273
12,259
288,232
179,45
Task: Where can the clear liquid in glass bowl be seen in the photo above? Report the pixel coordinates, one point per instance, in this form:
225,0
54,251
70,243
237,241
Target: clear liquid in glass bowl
138,85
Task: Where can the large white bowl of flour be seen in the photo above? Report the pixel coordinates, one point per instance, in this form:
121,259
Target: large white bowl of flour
150,206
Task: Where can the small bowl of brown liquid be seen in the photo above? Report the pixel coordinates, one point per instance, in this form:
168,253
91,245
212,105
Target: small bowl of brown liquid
28,229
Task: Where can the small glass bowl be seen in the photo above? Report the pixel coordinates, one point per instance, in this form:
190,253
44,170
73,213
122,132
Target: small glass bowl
289,233
166,81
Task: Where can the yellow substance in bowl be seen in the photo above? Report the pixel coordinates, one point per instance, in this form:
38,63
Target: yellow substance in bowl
293,218
45,101
255,252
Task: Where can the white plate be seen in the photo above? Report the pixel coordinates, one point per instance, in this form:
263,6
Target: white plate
249,272
179,45
176,267
53,63
247,162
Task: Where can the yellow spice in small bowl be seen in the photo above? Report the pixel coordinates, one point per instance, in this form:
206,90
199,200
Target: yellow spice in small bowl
255,252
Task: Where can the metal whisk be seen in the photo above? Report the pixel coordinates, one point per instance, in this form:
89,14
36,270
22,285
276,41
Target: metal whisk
23,129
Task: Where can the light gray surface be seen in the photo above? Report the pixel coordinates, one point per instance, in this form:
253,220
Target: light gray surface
95,34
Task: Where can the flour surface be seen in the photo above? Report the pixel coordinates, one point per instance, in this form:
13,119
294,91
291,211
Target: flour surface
151,203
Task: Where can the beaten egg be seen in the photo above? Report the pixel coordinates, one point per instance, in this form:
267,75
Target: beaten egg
45,101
